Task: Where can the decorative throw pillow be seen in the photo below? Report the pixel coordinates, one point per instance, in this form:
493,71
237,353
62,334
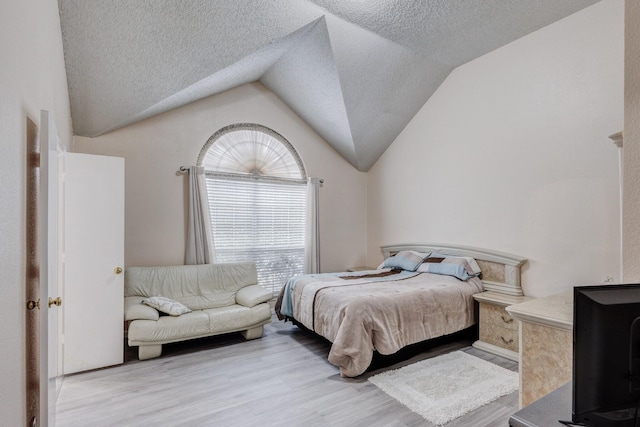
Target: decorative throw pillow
167,305
406,260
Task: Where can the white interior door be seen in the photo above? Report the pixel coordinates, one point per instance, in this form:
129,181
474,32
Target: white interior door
93,253
48,248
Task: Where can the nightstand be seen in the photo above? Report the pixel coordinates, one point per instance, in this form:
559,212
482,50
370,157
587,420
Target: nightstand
546,344
498,330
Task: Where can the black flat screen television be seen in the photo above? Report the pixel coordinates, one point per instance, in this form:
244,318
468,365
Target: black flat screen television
606,355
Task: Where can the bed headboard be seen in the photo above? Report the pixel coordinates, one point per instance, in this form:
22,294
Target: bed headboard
500,271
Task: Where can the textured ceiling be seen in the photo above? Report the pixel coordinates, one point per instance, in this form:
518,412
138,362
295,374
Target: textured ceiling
356,71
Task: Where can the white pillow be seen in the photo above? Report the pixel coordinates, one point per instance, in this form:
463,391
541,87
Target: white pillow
167,305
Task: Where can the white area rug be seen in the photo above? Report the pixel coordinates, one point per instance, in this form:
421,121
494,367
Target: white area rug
446,387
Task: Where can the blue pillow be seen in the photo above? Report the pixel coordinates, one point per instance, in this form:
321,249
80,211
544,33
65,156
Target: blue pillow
405,260
469,264
448,269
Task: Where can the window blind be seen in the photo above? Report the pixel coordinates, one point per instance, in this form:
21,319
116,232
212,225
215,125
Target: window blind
261,221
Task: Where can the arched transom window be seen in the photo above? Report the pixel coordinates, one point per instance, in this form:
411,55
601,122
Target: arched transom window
256,183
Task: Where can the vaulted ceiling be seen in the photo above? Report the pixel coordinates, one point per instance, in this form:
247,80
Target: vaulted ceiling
356,71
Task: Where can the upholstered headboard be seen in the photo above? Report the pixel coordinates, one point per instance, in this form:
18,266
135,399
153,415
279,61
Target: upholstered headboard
500,271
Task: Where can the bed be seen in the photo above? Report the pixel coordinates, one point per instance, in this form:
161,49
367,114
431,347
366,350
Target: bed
420,292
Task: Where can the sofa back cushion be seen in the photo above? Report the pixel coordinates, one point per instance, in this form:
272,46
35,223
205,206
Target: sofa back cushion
196,286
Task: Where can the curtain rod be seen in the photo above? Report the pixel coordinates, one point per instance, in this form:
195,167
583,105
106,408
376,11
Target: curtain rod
184,169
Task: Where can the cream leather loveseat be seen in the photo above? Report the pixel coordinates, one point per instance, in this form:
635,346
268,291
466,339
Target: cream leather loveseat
223,298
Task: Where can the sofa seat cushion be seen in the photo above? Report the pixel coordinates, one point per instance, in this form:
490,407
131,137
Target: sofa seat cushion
170,328
237,317
199,323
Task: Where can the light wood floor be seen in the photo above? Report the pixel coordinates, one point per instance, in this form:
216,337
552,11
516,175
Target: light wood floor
282,379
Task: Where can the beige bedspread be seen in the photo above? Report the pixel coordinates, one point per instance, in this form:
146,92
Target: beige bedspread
358,316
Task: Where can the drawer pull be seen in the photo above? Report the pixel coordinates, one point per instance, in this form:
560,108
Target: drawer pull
506,320
506,341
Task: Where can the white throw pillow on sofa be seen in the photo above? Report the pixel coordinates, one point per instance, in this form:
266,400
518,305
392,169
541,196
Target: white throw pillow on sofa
167,305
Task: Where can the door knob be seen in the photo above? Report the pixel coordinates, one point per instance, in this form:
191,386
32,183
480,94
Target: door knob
117,270
31,305
57,302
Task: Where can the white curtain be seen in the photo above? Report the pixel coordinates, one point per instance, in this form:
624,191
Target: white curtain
199,244
312,235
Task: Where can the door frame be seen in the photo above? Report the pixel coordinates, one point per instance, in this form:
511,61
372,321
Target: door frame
41,268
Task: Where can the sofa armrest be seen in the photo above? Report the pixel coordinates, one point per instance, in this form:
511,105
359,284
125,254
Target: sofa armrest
252,295
134,309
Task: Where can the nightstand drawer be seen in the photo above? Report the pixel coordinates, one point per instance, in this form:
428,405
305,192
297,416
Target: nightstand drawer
499,336
498,316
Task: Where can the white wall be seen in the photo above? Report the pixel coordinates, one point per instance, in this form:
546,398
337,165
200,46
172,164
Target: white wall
511,153
32,78
631,144
155,201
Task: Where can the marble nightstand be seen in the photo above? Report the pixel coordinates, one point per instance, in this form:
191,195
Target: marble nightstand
498,330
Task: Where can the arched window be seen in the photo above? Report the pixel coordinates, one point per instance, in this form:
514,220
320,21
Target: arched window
256,183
